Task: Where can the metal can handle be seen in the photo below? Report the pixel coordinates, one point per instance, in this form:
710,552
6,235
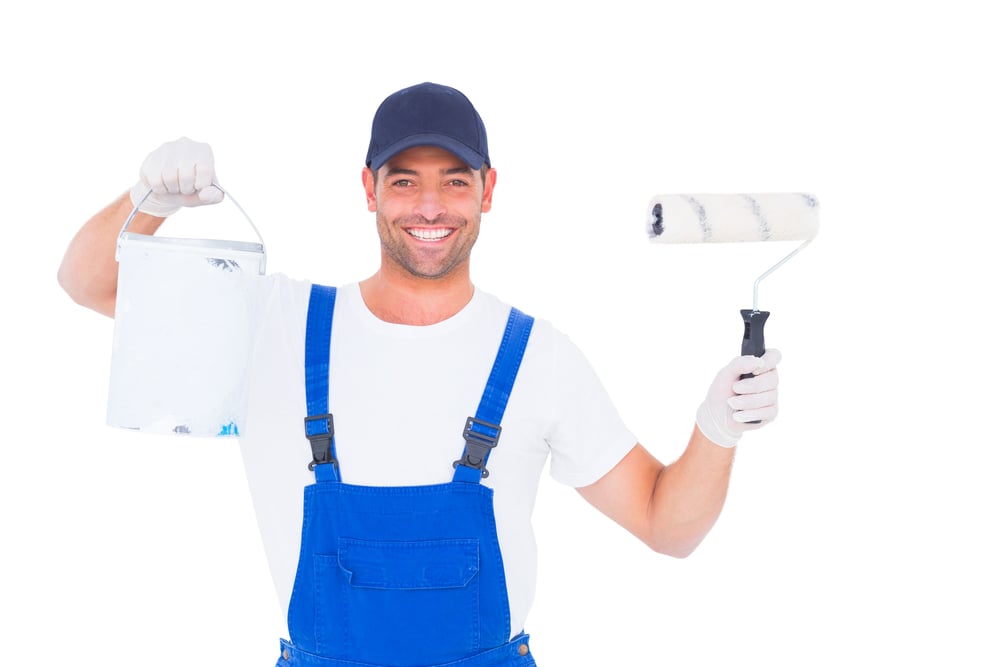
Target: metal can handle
135,210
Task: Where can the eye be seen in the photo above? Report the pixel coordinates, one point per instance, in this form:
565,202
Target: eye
402,183
458,182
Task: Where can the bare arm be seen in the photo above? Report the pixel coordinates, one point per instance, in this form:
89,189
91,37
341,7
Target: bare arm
178,173
89,272
670,508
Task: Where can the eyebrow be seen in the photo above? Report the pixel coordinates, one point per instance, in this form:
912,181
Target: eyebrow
394,171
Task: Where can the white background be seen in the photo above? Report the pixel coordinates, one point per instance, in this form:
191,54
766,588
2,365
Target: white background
861,526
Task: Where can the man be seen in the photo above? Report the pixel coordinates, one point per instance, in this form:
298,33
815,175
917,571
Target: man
416,549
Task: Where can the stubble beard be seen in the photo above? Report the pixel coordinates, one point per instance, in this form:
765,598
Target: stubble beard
394,243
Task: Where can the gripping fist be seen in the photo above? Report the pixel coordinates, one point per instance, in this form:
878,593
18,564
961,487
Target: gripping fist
733,404
180,173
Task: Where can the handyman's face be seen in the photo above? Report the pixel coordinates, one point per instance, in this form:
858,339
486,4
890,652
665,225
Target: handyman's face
428,204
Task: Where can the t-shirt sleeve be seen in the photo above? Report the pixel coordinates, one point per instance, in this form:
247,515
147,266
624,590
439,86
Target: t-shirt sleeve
586,435
277,330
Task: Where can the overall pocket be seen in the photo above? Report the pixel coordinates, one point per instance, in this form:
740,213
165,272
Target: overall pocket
398,602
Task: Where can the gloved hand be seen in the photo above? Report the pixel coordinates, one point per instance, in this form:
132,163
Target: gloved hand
731,402
180,173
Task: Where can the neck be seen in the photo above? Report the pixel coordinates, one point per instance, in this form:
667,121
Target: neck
416,301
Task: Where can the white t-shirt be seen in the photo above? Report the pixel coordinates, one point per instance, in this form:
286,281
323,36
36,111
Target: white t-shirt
400,396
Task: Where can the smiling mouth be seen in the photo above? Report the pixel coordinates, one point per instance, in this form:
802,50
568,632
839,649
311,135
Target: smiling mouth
430,234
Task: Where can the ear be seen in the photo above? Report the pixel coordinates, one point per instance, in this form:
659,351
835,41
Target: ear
368,179
488,185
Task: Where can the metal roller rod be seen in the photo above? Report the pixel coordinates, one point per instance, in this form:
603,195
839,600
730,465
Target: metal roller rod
769,271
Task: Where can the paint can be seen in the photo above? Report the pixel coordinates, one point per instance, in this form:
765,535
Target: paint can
183,331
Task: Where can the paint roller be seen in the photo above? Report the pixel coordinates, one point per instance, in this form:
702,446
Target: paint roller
735,218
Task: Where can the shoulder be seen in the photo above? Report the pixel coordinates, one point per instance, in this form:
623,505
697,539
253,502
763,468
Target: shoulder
549,348
279,290
278,294
495,311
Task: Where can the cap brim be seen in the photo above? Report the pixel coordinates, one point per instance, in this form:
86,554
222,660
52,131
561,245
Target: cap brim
471,157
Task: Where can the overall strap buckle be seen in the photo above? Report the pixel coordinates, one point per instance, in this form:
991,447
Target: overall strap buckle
319,425
480,437
319,431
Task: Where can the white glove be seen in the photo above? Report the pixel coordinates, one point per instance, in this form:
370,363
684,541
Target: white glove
732,403
180,173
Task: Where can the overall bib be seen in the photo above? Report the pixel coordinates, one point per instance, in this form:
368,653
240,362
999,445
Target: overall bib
401,576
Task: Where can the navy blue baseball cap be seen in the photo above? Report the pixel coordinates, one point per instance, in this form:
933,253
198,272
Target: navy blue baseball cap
428,114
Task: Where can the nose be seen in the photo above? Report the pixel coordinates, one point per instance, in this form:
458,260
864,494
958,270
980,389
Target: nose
430,204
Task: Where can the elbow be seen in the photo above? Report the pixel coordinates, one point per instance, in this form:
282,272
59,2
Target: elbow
676,544
61,275
674,549
76,290
68,285
65,281
70,282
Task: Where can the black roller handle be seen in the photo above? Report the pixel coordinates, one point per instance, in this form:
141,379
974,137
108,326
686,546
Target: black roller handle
753,337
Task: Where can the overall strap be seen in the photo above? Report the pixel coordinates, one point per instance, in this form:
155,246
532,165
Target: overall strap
319,422
482,432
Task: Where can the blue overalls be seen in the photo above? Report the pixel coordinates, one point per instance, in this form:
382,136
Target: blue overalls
401,576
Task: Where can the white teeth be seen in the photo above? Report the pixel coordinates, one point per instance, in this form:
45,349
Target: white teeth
429,234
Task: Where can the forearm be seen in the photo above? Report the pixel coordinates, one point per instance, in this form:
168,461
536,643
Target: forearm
89,272
671,508
688,496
